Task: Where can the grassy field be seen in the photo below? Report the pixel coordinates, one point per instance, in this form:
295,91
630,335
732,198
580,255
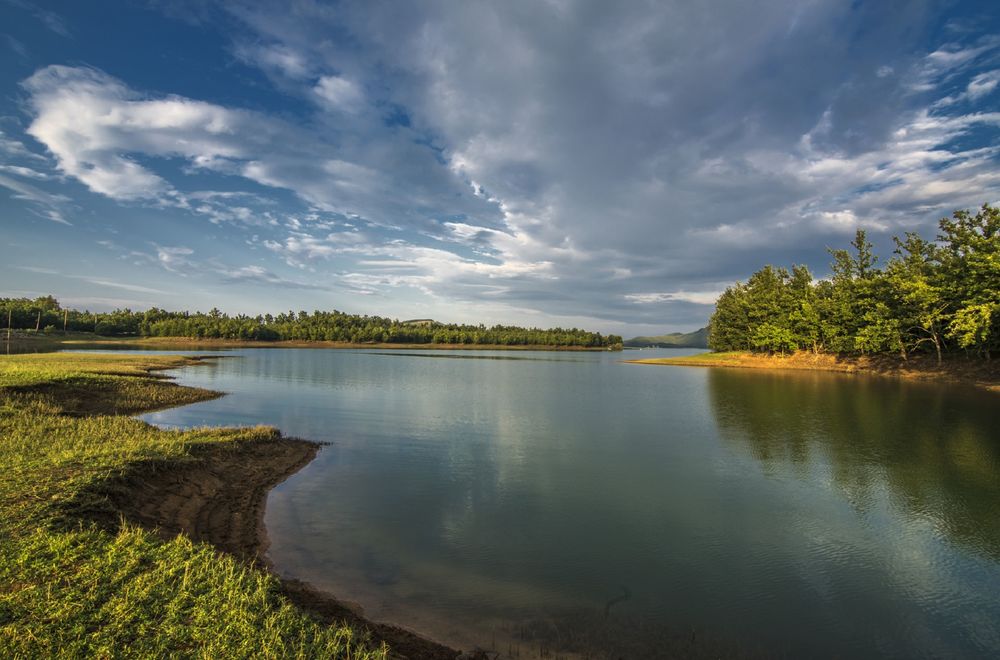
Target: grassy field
70,588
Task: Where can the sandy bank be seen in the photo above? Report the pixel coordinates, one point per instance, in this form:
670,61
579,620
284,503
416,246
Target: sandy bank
955,369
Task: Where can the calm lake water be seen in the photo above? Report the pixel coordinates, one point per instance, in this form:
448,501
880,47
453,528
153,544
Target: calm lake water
567,502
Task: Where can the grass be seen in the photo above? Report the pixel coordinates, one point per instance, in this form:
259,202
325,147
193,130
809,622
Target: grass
69,588
955,368
694,359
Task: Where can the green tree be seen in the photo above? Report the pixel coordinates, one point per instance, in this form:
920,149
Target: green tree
879,332
729,327
928,295
919,301
773,339
970,268
972,326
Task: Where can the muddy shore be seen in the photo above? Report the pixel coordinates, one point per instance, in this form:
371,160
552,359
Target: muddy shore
217,495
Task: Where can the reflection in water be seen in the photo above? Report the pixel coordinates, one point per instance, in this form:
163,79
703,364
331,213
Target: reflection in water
939,461
548,505
469,356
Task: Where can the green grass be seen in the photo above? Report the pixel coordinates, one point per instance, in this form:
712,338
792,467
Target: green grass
694,359
68,588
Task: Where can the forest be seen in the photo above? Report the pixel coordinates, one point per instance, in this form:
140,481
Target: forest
46,316
938,297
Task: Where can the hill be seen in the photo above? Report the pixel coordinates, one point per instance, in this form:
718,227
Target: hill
696,339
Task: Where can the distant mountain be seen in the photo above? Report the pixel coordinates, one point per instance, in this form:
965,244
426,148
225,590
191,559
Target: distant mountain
696,339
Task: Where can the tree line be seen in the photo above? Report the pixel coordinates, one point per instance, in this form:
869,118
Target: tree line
935,296
46,315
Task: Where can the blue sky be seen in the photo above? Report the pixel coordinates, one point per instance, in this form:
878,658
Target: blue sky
607,165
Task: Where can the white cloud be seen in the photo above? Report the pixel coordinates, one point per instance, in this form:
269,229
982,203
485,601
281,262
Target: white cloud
48,204
339,93
260,275
53,215
16,149
954,56
696,297
398,263
121,285
983,84
298,247
276,58
38,269
173,258
25,172
847,221
97,128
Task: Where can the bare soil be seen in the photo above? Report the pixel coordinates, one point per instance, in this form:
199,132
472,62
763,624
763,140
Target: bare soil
217,496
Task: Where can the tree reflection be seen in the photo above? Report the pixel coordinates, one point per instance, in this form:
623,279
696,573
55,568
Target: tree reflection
933,448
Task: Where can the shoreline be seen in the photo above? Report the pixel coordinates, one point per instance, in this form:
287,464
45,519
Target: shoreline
213,492
954,370
84,342
218,496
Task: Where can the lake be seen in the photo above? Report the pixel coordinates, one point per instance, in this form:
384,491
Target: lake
571,504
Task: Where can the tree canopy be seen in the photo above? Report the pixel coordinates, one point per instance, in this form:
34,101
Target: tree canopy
47,315
935,296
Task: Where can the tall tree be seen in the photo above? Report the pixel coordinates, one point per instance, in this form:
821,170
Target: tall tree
970,267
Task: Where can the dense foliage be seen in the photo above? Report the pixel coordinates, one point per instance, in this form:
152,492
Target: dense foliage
936,296
46,315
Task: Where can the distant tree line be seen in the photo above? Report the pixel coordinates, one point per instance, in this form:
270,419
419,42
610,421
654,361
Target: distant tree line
931,296
46,315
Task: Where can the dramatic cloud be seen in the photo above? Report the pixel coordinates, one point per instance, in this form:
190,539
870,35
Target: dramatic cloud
661,142
96,127
616,163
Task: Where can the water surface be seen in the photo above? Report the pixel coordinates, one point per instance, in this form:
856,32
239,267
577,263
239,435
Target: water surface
556,502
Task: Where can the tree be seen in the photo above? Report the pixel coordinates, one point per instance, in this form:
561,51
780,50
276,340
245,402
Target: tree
804,318
970,270
929,296
773,339
729,327
972,326
920,304
880,332
864,259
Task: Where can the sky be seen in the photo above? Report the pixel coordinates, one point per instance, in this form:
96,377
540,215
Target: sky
606,165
